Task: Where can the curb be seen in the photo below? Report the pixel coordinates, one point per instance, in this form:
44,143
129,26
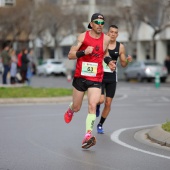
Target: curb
41,100
34,100
37,100
160,136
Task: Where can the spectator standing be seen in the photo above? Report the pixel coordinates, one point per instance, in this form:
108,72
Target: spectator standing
30,66
13,68
24,65
19,61
6,60
167,64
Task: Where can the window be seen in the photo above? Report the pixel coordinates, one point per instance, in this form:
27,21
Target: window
7,3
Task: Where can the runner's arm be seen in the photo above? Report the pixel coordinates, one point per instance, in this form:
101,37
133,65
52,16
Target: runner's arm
123,59
75,48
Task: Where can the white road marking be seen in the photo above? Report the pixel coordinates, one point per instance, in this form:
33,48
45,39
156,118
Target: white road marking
115,137
165,99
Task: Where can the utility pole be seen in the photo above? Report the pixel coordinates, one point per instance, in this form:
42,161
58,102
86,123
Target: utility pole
92,7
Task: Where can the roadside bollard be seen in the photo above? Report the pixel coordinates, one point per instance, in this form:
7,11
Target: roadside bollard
157,80
69,78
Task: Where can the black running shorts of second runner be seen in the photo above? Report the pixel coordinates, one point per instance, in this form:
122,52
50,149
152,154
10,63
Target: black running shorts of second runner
82,84
109,88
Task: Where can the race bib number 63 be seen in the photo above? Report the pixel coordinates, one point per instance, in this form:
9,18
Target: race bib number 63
89,69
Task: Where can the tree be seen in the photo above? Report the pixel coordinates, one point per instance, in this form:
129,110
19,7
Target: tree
153,13
15,20
51,24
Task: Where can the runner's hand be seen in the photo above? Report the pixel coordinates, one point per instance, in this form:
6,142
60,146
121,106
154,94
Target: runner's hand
89,50
112,65
129,59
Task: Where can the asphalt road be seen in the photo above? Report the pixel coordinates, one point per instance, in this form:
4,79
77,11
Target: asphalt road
35,136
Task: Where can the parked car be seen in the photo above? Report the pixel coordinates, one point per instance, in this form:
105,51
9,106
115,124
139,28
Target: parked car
1,67
145,70
51,66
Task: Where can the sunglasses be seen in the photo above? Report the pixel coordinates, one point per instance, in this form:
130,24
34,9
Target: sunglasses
98,22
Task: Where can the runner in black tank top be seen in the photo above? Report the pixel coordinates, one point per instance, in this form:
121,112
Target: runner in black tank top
116,49
112,76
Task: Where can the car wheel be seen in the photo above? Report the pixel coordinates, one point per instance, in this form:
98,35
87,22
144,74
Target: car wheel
149,80
139,78
163,80
126,78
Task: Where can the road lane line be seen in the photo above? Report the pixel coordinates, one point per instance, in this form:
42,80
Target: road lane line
115,137
165,99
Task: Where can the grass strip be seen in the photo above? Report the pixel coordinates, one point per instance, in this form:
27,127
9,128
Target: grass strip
28,92
166,126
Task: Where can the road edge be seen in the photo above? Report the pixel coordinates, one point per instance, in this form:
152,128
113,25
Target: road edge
159,135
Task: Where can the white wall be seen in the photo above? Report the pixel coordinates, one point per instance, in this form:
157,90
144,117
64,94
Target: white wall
141,51
161,51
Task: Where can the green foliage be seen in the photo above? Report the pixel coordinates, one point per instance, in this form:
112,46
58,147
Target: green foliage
166,126
28,92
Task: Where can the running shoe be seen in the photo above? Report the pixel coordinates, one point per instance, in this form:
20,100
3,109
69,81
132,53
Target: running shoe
98,110
88,141
100,129
68,115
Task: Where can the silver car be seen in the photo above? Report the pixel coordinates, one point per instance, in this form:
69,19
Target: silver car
51,66
145,70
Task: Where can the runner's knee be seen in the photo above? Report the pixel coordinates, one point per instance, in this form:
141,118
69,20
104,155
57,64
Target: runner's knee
107,104
92,107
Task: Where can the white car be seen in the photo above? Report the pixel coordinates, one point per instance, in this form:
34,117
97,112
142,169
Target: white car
51,66
1,67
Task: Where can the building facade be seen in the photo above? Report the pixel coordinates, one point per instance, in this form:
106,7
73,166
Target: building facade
83,9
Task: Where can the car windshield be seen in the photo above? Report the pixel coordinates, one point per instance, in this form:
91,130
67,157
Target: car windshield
152,64
57,62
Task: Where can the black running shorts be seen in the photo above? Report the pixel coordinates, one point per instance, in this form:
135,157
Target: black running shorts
109,88
82,84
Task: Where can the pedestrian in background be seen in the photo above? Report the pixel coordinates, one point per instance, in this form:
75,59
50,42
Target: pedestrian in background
19,63
6,61
167,64
116,50
30,66
13,68
24,65
89,51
